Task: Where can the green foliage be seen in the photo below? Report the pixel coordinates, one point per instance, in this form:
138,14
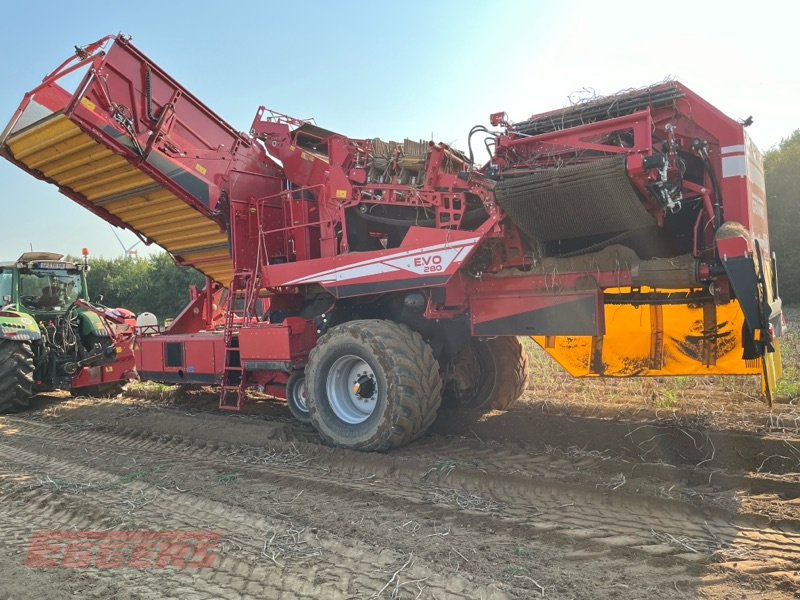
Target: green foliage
228,477
782,172
153,284
132,476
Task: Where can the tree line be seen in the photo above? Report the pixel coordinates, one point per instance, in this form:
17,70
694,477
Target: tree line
154,284
782,175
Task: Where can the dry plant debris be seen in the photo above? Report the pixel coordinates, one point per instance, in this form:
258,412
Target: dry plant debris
289,545
464,500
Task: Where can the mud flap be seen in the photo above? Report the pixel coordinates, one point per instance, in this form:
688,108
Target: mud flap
771,372
755,292
741,272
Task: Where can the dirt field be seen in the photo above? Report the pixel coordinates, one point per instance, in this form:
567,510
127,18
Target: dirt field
525,504
587,489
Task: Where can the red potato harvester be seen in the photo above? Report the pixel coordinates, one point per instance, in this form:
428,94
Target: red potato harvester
369,281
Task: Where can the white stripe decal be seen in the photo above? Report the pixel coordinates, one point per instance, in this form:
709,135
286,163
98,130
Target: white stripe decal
463,254
365,271
734,166
384,264
443,245
757,206
733,149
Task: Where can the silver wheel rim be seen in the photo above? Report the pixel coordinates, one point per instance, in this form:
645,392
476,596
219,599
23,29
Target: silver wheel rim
352,389
299,395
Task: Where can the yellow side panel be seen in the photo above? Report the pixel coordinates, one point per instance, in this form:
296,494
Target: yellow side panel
46,136
62,152
658,340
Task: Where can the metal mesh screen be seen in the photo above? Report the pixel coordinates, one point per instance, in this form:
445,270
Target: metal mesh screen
574,201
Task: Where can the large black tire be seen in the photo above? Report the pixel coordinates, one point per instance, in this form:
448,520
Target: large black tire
487,375
403,386
102,390
297,397
16,375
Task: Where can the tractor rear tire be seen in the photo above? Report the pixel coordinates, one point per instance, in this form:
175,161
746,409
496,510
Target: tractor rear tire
372,385
487,375
16,376
101,390
297,397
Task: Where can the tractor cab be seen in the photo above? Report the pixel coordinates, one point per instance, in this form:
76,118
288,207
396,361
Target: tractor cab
42,284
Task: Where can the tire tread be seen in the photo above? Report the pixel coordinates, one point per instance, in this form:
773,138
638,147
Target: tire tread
16,375
412,375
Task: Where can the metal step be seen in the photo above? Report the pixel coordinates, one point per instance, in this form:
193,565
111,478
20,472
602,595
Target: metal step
228,393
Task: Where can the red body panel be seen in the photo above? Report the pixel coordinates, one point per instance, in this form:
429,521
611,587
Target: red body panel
276,347
197,358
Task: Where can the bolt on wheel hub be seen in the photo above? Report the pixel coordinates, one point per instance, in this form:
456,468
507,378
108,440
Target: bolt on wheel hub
352,389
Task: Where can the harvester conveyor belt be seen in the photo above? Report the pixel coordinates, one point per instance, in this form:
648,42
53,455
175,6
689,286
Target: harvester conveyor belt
137,149
63,153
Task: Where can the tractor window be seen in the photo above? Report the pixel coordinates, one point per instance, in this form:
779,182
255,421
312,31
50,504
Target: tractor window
51,289
6,289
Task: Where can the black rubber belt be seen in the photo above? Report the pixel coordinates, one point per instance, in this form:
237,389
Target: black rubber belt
574,201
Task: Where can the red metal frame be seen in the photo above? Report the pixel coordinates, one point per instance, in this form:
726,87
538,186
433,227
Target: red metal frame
291,219
121,326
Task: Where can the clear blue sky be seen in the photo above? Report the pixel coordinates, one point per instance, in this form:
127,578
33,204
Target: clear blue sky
410,69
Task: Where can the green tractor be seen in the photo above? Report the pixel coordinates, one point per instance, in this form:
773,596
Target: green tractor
52,338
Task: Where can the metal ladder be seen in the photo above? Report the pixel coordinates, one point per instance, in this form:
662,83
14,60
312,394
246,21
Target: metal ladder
234,380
